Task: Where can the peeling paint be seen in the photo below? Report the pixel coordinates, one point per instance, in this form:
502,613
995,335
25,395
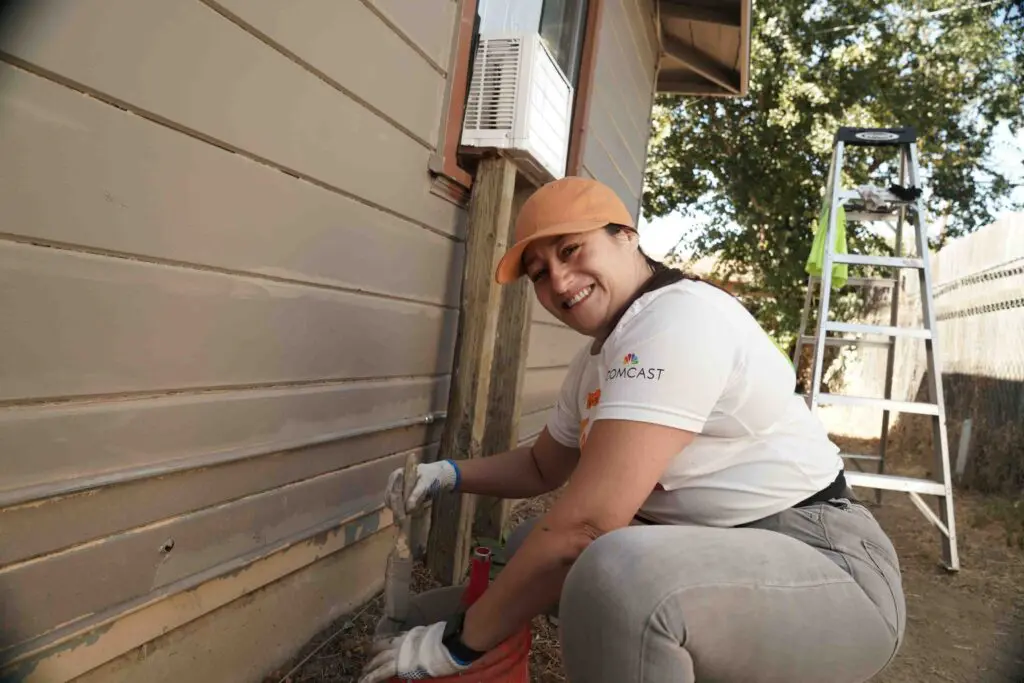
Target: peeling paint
322,538
362,527
22,670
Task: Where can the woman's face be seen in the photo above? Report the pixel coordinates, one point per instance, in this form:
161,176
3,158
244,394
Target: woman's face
584,279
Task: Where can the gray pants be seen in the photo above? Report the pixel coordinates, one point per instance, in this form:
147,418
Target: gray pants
808,595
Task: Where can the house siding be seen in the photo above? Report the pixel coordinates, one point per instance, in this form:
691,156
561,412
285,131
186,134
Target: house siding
230,302
615,153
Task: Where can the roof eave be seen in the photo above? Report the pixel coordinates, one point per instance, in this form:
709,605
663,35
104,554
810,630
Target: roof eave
705,47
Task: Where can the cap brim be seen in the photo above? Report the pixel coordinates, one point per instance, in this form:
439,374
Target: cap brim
510,267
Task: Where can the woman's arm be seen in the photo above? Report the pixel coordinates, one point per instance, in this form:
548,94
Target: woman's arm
523,472
623,462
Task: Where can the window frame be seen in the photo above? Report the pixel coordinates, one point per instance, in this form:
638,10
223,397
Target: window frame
445,164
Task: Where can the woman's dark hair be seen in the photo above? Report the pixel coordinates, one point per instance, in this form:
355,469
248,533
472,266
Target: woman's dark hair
661,275
660,270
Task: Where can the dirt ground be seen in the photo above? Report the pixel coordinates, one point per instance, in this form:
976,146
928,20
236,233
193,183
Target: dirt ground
966,627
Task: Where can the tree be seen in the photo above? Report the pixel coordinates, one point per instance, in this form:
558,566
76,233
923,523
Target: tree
756,166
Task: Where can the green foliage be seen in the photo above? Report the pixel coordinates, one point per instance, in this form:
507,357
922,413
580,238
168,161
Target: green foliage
756,166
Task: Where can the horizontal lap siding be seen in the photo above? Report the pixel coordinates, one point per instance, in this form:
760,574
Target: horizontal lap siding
55,590
230,304
81,172
277,600
333,36
34,529
622,93
614,152
427,24
183,63
541,388
78,442
85,324
293,609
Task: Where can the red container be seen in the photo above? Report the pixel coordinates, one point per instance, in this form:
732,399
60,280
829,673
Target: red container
479,576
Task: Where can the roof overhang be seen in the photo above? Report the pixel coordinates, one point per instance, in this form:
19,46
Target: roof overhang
705,47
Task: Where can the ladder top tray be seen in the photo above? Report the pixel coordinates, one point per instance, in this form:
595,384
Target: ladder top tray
876,137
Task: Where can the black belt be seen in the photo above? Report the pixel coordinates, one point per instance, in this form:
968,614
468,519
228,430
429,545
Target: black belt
837,489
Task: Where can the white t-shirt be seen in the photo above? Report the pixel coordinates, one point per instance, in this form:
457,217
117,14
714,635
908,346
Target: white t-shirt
691,356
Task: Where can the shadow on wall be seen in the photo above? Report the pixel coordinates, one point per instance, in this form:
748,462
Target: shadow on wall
995,407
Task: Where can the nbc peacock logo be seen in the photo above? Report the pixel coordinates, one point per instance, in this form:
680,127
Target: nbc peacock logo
631,369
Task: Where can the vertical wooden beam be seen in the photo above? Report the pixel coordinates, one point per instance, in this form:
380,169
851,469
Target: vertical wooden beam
490,210
507,373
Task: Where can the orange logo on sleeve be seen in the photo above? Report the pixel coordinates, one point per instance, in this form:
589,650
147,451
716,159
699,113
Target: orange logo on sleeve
593,398
583,431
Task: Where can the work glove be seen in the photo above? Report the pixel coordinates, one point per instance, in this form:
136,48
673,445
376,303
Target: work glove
431,479
416,654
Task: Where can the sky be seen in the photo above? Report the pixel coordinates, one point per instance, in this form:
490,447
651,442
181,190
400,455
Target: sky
660,235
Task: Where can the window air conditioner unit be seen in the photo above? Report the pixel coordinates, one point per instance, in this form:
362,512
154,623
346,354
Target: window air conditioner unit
519,101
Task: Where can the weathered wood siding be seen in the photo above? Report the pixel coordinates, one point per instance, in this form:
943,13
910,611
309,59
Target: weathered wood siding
230,302
614,152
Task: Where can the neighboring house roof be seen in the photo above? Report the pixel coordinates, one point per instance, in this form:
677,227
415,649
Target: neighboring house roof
705,47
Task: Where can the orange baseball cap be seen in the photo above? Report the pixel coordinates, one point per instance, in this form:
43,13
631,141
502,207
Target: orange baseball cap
562,207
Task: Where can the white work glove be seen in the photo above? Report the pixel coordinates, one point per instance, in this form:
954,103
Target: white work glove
431,479
416,654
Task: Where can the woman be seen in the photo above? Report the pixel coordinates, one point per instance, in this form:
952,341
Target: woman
706,532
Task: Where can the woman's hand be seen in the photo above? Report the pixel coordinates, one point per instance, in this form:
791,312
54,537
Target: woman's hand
418,653
431,479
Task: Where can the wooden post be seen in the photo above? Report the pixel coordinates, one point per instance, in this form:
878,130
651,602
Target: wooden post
509,369
490,210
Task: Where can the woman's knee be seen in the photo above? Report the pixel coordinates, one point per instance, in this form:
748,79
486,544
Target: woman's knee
605,602
600,575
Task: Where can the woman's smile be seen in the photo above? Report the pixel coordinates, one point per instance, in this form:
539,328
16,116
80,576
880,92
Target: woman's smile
578,298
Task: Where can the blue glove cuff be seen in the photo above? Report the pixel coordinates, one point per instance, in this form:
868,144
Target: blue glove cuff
458,476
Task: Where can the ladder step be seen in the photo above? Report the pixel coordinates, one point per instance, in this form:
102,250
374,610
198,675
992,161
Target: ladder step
890,261
855,456
884,404
870,216
862,281
855,328
893,483
841,341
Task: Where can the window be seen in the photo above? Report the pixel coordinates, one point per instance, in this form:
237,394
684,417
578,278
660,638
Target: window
568,29
562,27
560,23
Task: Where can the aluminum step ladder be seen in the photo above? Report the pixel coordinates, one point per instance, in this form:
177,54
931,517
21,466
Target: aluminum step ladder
904,142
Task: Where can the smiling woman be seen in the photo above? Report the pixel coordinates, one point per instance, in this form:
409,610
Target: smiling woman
706,531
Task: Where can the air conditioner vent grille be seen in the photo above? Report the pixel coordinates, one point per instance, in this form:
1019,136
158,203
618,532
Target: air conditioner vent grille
493,88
